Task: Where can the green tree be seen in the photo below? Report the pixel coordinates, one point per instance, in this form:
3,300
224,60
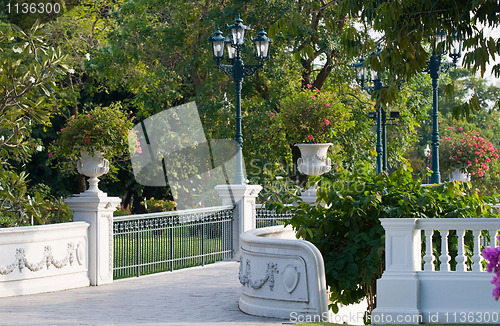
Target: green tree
28,70
406,26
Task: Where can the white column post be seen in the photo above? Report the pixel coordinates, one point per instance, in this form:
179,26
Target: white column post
243,198
398,288
97,210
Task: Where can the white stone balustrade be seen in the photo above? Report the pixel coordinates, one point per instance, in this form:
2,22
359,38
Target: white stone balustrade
43,258
410,294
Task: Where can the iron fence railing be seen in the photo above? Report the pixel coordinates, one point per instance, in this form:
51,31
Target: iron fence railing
166,241
266,217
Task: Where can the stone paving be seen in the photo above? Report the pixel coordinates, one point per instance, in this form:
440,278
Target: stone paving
195,296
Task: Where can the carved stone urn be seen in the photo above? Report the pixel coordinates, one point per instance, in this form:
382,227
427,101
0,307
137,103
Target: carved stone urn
313,161
92,167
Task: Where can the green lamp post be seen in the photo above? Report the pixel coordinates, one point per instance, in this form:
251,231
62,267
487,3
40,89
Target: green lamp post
239,71
376,86
434,67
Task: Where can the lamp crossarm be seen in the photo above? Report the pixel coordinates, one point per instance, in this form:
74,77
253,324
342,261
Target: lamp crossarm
251,69
227,69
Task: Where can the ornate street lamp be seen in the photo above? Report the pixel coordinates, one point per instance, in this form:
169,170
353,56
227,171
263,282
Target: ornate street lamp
361,73
380,116
434,68
239,71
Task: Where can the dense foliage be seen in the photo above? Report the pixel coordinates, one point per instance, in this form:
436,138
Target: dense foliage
101,129
312,116
346,225
152,55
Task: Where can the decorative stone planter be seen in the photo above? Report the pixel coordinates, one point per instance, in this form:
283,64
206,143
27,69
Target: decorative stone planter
313,161
459,176
92,167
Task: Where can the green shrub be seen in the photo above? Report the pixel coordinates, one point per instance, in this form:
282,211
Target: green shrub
347,228
159,205
55,210
122,211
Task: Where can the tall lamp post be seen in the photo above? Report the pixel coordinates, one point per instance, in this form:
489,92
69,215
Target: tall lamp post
239,71
380,116
376,86
434,67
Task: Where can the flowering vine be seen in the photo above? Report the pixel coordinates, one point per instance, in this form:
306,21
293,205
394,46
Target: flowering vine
492,255
468,152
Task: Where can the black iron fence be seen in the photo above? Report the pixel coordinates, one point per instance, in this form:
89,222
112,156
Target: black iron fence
166,241
266,217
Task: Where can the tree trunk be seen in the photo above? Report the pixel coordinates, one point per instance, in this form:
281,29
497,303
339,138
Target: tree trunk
82,187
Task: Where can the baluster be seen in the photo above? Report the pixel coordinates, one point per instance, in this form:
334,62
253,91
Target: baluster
493,240
428,258
460,252
444,258
476,258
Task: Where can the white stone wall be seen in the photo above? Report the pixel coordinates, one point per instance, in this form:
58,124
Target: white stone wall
281,276
43,258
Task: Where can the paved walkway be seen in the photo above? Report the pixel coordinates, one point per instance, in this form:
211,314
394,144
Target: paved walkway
195,296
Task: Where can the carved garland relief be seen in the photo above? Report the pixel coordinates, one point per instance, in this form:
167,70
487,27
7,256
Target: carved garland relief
290,276
48,259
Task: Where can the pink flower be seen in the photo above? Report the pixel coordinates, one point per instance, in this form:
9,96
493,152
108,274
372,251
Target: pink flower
317,90
313,96
88,115
281,103
469,162
452,128
50,154
133,117
328,105
460,128
310,137
327,122
138,143
309,85
139,150
272,114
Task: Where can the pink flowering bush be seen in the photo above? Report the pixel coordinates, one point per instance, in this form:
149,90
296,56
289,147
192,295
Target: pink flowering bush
103,129
312,116
467,152
492,255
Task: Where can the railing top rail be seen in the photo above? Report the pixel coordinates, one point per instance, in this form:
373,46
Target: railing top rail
204,210
458,223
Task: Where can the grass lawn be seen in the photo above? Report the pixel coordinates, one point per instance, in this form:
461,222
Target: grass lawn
164,251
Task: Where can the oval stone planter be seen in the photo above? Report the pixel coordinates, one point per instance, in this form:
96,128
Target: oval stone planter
92,167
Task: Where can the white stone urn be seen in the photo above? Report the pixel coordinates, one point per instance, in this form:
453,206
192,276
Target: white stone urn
313,161
457,175
92,167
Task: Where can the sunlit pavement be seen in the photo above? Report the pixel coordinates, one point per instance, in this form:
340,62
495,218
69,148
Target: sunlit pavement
195,296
